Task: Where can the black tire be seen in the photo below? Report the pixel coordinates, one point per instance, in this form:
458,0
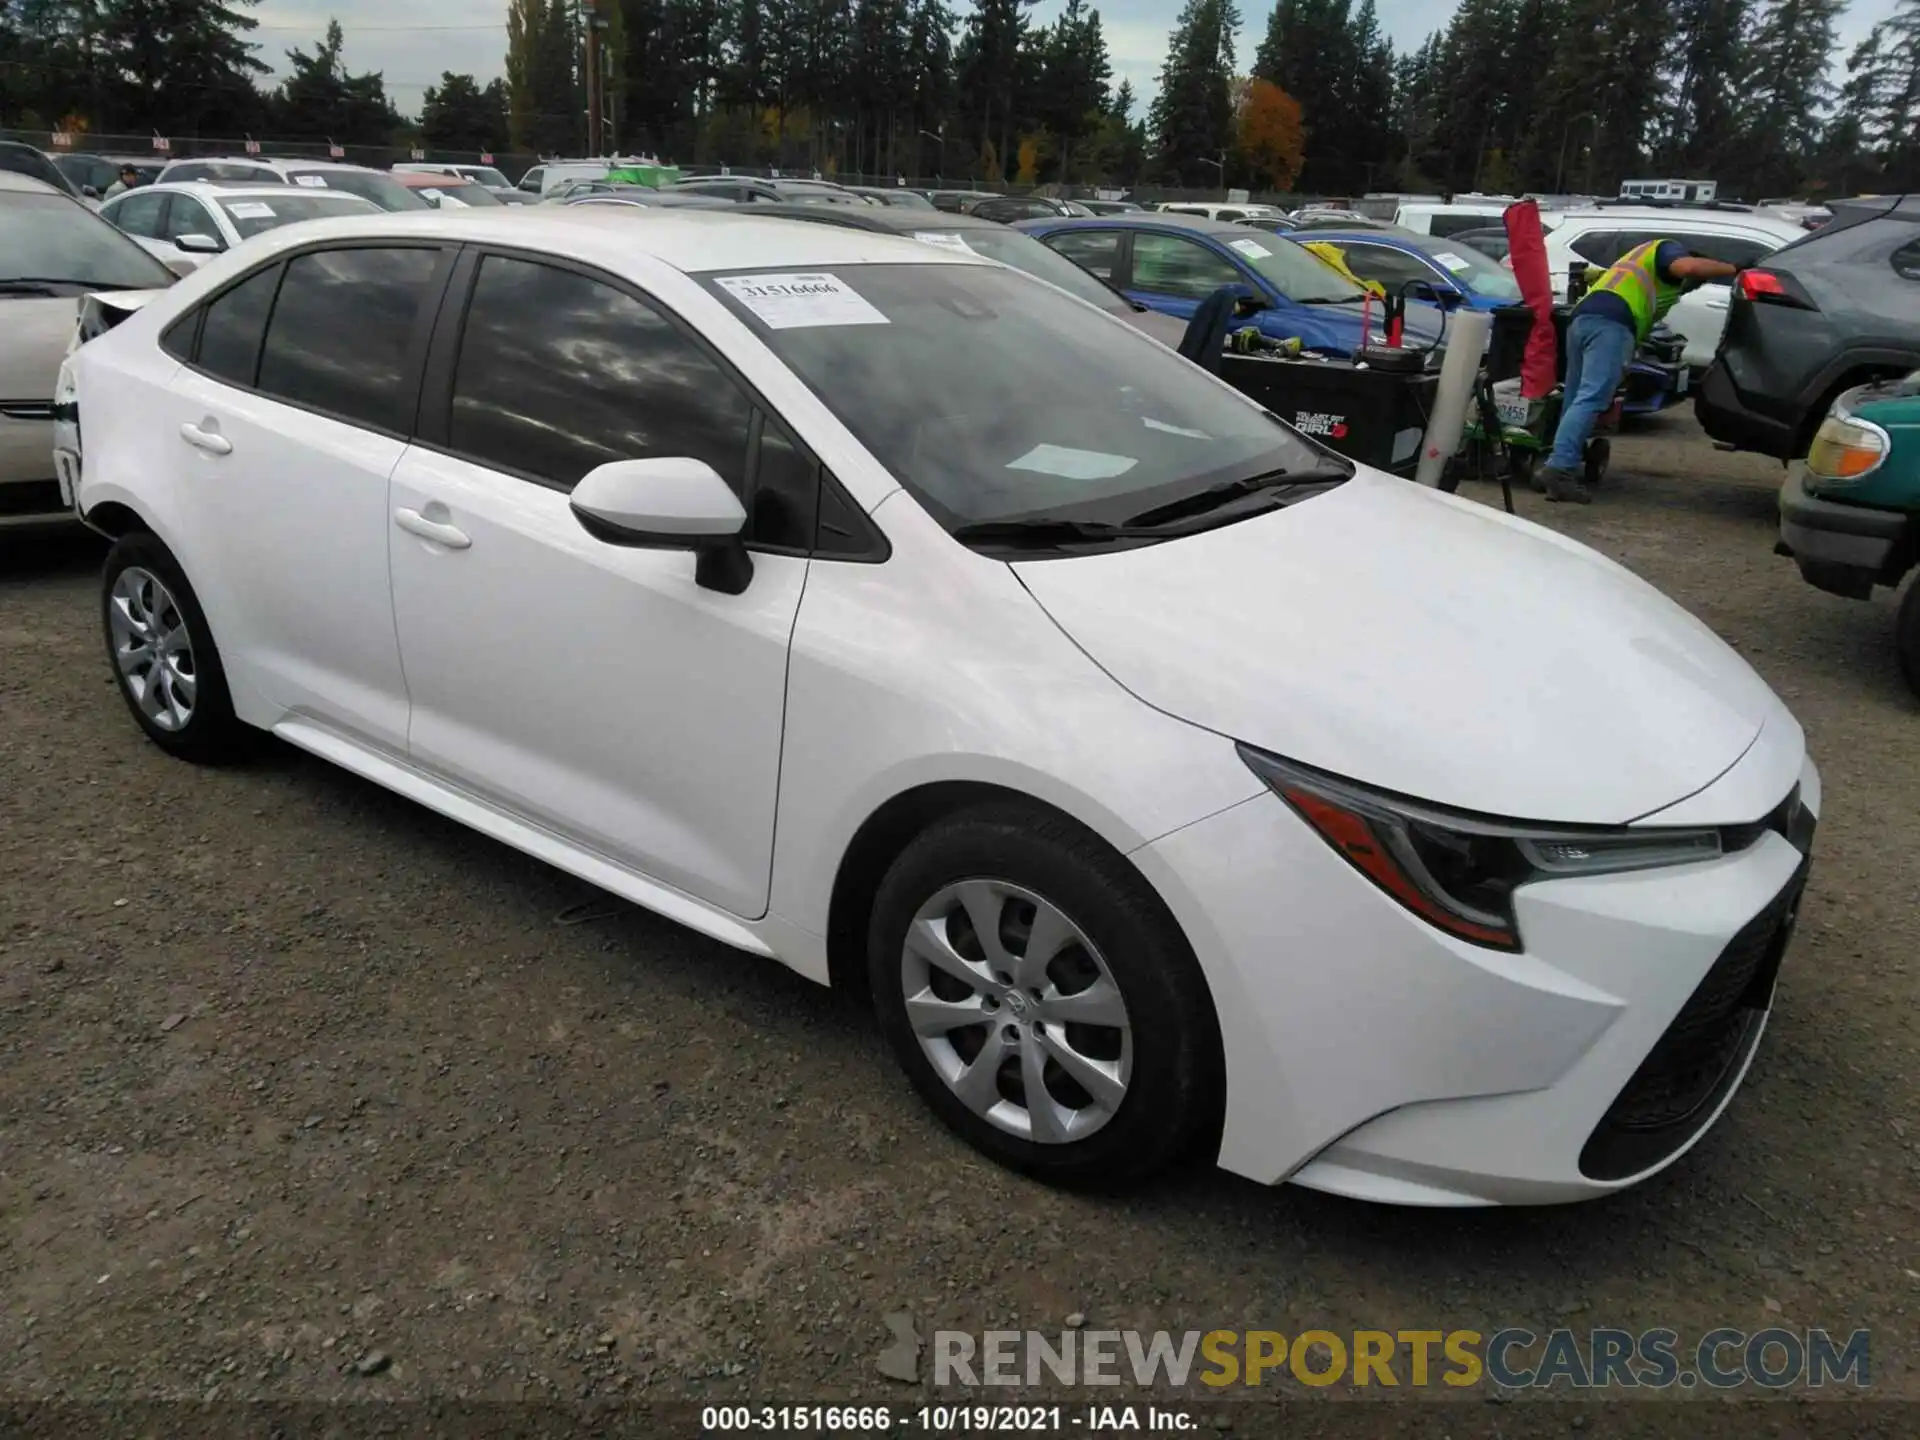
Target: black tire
211,732
1906,634
1172,1100
1599,455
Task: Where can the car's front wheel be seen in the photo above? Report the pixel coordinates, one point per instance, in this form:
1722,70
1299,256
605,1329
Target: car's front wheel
163,654
1042,1000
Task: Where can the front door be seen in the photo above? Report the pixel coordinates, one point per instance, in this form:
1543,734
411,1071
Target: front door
1173,274
595,689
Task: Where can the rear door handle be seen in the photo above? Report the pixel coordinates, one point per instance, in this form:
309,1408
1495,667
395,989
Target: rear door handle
211,441
414,523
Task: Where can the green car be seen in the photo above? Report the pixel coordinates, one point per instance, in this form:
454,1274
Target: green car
1850,517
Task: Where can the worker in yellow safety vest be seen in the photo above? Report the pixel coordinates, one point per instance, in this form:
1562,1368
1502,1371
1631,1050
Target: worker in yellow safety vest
1614,320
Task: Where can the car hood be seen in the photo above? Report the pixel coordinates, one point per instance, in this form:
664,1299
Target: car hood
1169,330
33,342
1422,644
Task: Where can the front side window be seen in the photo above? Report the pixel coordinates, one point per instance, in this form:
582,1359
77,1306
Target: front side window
1600,247
189,217
1095,251
139,214
341,331
560,373
1738,250
1173,265
991,397
236,323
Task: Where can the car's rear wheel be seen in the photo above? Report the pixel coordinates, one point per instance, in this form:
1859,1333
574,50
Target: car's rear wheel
163,655
1906,634
1042,1000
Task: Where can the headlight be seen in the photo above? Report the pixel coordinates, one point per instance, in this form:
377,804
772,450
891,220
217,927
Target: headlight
1455,870
1846,448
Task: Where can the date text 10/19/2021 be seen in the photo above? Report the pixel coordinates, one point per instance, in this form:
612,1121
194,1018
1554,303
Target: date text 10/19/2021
1088,1420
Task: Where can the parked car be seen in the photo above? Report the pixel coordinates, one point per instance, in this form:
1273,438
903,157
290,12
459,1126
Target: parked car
1172,262
955,202
1446,219
442,191
749,189
185,224
1491,242
1850,515
1837,308
54,251
93,175
19,159
1006,209
969,234
1599,236
1066,672
378,186
485,175
1210,211
640,197
1114,207
545,176
1422,267
898,196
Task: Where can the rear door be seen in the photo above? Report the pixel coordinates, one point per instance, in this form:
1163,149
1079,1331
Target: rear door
1173,274
595,689
281,434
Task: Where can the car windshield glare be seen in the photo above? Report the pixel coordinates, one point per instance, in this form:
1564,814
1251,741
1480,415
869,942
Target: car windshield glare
994,398
253,214
1294,271
51,238
382,190
1474,270
1023,252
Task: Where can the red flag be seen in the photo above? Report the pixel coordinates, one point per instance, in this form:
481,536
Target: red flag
1527,253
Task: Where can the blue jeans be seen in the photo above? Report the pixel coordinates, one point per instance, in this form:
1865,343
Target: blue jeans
1598,350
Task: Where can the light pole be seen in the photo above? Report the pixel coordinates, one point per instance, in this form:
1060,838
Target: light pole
940,163
1221,166
1560,167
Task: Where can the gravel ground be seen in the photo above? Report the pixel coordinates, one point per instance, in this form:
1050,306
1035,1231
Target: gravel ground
300,1081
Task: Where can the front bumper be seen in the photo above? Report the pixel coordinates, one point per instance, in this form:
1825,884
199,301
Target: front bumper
31,495
1372,1056
1845,549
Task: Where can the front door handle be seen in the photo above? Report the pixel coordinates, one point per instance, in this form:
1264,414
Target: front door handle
211,441
414,523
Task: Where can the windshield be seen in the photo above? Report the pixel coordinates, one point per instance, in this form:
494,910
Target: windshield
54,239
1474,270
455,196
382,190
1023,252
252,214
993,398
908,200
486,175
1297,273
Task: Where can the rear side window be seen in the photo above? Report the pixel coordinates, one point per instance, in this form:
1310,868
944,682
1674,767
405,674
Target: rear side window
1096,251
139,214
1733,249
235,324
341,332
559,373
1599,247
1906,261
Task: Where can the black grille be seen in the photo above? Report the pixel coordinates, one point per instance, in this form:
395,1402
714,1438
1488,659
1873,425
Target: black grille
1789,819
31,497
1691,1068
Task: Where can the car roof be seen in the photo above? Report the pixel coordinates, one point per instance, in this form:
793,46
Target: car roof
894,219
693,241
1148,220
1655,216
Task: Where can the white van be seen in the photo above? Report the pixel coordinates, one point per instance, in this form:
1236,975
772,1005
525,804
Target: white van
542,179
1242,211
1441,219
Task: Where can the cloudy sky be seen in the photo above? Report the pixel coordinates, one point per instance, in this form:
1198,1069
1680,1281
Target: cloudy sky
412,44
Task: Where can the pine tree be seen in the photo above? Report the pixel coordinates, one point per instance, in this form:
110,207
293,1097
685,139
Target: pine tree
321,100
1192,116
1785,92
179,65
987,70
1705,62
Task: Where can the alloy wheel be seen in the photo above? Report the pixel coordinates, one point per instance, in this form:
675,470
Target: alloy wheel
152,648
1017,1011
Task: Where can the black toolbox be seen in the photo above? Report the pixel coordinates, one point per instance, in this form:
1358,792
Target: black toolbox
1375,416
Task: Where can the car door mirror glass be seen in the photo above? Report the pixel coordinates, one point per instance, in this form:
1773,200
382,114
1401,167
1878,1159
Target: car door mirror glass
669,503
90,192
198,244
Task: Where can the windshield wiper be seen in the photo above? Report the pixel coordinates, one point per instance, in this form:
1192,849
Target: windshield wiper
1202,501
1050,532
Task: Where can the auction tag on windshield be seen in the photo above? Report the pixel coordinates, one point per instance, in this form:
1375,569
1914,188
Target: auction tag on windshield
1252,249
312,182
946,241
1452,261
797,302
250,210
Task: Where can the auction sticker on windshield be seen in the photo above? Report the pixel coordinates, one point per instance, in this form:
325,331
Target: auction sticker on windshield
1252,249
797,302
1450,260
944,241
312,182
250,210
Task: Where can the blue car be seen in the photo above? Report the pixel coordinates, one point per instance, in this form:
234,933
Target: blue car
1395,257
1171,263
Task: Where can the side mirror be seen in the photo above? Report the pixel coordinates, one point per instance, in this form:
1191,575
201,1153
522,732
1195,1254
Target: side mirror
197,244
1442,295
671,503
90,192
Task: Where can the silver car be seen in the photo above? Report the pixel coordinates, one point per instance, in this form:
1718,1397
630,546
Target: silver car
54,252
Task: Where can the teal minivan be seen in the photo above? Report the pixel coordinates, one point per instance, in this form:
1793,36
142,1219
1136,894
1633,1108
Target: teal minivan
1850,517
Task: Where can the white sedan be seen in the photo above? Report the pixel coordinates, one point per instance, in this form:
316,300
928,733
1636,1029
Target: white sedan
188,222
874,608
